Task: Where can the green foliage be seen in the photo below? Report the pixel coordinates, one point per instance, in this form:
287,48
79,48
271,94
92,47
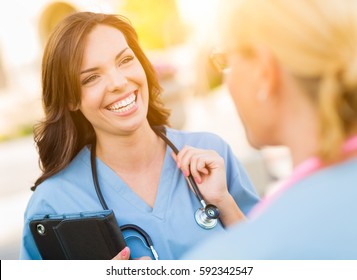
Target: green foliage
21,131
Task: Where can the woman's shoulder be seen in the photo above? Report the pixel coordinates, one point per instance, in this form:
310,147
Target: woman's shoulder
198,139
56,188
341,175
334,185
71,173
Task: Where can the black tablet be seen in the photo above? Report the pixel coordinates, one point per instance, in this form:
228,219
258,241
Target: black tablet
80,236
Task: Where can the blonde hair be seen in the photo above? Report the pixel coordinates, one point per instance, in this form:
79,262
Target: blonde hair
316,40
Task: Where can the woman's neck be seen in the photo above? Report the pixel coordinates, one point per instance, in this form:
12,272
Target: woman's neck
302,151
300,135
131,152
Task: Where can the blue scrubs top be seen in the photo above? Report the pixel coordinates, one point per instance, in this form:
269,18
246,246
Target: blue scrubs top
313,219
170,223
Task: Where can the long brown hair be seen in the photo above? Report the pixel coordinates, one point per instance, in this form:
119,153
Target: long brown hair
63,133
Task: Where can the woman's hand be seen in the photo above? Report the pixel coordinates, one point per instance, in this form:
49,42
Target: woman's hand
125,255
209,172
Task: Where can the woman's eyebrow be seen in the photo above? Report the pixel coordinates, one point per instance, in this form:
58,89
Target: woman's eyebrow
96,68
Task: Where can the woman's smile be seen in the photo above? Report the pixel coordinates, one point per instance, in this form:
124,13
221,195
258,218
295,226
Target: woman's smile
125,105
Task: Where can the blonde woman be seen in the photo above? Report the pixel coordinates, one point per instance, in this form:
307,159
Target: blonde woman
293,79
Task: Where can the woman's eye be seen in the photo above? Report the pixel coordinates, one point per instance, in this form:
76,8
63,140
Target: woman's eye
126,60
89,79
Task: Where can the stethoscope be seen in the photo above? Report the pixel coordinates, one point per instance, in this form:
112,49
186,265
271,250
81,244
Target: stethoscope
206,216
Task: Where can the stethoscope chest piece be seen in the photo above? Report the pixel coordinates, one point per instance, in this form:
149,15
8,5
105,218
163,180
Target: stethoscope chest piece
207,217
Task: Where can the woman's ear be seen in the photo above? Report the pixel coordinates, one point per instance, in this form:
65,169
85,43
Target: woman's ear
73,107
268,74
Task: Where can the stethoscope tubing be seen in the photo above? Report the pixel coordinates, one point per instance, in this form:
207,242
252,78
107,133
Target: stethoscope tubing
190,179
201,220
136,228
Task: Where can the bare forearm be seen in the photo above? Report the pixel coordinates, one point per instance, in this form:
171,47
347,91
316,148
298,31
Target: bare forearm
230,213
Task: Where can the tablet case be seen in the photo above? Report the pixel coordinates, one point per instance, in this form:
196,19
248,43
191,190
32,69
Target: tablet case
82,236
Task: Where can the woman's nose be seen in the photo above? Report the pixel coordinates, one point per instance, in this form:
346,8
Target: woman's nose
117,81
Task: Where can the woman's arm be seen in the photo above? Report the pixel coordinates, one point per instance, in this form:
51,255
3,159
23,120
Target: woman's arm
208,170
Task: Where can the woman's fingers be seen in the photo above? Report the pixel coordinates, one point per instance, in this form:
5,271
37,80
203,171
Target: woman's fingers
196,162
208,170
186,161
190,167
123,254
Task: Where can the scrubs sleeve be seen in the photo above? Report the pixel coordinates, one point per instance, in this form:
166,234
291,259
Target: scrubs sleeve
37,205
239,184
28,250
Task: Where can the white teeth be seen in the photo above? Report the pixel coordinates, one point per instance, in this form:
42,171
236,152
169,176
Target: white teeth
123,105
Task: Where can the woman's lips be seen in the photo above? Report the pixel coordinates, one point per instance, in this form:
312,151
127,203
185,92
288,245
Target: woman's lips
124,104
